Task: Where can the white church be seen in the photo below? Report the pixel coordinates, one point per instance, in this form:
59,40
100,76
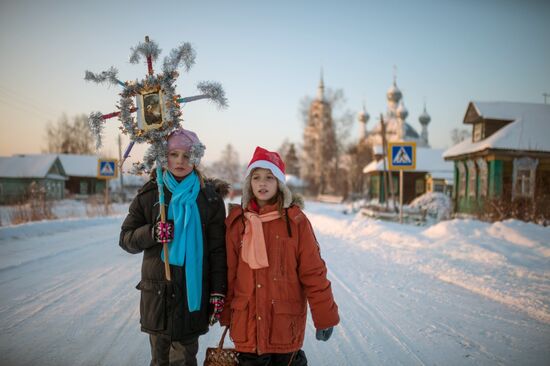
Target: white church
432,172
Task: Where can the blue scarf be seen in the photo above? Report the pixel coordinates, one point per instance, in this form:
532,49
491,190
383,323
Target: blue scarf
186,250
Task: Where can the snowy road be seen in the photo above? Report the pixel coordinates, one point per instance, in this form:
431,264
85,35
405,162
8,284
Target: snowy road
407,295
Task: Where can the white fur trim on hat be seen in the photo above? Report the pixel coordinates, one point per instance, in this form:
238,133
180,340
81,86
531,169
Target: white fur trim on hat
267,165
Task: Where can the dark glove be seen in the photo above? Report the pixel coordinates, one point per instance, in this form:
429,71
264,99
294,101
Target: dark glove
217,302
323,334
163,232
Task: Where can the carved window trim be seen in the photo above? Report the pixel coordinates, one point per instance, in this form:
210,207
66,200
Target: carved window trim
461,179
483,176
523,179
472,178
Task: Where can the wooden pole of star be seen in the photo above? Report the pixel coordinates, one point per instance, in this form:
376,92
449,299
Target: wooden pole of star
160,187
149,59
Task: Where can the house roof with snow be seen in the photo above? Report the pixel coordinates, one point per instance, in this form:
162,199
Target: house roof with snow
79,165
76,165
528,130
32,166
427,160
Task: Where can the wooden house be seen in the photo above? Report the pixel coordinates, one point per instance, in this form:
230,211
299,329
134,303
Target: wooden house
504,169
20,173
82,175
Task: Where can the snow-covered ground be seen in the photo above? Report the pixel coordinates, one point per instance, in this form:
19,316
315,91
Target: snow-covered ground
459,292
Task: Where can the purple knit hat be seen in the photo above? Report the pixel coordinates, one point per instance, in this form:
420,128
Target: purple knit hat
188,141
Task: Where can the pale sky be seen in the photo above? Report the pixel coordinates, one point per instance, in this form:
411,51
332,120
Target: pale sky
268,56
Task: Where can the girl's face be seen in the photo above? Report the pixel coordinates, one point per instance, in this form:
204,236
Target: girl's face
264,185
178,163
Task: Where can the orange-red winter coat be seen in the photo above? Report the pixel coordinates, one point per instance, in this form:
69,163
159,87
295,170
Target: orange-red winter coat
267,308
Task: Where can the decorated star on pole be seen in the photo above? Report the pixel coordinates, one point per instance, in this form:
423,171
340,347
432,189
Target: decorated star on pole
149,109
157,111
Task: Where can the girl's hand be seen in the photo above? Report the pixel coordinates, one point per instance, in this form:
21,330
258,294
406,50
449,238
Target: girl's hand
163,232
217,302
323,334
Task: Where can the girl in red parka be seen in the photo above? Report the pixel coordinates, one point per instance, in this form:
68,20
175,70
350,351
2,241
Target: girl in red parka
274,270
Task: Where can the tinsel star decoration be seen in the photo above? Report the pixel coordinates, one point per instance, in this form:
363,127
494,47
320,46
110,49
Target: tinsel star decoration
150,109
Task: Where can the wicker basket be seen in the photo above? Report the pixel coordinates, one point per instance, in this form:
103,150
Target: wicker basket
220,356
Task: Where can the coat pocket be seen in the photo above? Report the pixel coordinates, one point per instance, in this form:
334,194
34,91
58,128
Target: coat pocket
239,320
285,322
152,306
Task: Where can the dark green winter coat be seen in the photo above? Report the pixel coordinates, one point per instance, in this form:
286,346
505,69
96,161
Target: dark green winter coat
163,306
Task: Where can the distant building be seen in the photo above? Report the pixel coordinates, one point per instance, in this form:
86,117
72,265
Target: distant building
395,120
295,184
21,172
318,166
82,174
432,174
132,184
506,163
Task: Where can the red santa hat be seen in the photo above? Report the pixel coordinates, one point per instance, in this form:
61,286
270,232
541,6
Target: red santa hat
272,161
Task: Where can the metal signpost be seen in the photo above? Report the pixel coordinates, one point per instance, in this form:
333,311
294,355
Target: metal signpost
107,169
402,156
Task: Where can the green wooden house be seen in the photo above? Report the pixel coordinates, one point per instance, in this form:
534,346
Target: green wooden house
18,173
504,168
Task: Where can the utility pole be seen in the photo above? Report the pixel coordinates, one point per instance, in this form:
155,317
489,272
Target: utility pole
122,195
388,176
384,157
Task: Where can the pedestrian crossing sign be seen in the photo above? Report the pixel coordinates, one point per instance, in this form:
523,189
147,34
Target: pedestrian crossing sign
107,168
402,155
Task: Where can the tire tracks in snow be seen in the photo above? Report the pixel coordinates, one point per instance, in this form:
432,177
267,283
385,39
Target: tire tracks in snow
386,333
380,324
34,303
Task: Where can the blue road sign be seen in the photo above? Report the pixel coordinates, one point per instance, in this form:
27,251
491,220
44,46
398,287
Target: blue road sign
106,169
402,155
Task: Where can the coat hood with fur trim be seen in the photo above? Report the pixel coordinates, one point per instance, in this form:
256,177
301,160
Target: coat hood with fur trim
294,211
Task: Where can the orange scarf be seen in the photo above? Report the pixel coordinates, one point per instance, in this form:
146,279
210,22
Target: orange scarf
254,252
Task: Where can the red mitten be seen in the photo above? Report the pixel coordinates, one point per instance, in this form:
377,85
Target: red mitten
216,307
163,232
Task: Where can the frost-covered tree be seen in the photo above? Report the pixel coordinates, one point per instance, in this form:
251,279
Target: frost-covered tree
359,155
291,161
459,134
227,167
70,137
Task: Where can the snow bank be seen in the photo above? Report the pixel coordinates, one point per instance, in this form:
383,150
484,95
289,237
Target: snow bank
438,205
508,261
65,209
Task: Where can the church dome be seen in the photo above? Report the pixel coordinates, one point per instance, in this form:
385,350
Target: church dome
402,112
424,118
363,116
394,94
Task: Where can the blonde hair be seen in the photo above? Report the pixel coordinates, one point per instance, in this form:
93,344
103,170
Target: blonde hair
200,175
